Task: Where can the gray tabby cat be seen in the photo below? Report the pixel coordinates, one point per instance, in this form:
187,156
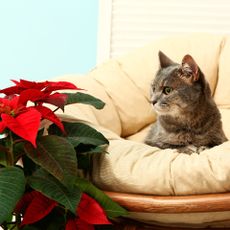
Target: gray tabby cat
188,118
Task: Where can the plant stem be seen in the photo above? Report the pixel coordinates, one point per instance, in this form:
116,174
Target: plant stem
10,152
18,220
56,109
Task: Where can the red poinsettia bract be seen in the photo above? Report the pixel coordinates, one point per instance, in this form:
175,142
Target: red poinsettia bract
46,86
24,121
89,213
36,206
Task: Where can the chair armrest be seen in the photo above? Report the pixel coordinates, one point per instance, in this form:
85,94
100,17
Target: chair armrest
172,204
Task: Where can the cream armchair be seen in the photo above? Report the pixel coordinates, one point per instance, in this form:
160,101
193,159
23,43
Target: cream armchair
173,185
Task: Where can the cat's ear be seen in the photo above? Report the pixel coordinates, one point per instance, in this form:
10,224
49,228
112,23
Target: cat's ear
164,60
190,66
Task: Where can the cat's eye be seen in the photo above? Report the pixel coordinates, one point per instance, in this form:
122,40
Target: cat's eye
167,90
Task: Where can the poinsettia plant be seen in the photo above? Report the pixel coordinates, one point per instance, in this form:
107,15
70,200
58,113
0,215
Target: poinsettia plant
41,169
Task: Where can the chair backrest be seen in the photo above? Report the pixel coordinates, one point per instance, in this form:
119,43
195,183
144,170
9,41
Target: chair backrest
124,83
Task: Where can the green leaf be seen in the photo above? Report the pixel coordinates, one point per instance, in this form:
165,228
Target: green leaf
97,149
80,133
52,188
84,155
56,155
111,208
84,99
12,186
84,134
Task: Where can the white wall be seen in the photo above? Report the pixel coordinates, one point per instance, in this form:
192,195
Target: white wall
41,39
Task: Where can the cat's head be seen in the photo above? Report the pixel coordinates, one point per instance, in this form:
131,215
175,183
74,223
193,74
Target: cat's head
177,88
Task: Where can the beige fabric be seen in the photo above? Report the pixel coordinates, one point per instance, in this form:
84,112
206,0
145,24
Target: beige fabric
141,64
137,168
131,105
225,114
108,118
123,84
222,94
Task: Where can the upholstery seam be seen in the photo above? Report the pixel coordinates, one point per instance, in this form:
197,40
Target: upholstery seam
171,180
114,104
221,46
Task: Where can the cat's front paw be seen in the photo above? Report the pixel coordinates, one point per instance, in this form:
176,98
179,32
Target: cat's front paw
201,149
189,149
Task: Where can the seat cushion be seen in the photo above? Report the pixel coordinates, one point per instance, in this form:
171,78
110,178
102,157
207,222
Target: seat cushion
137,168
